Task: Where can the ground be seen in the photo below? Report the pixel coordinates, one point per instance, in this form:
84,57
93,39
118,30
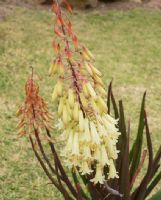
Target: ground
126,45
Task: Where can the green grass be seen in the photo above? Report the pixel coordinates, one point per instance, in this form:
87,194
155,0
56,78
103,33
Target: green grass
127,48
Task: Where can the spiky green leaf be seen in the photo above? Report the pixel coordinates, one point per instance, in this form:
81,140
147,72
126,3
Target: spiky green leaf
140,194
115,108
121,145
135,152
153,184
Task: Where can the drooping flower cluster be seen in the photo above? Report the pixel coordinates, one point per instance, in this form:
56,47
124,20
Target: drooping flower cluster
90,133
33,113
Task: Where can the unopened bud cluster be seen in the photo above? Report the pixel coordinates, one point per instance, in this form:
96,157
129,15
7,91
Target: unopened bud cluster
33,113
90,134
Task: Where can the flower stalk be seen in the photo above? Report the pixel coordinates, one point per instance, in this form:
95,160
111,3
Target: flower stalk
36,124
91,134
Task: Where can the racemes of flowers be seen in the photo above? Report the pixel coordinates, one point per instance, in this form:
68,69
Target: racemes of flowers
90,134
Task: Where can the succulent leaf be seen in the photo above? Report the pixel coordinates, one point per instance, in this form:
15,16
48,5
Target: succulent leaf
135,152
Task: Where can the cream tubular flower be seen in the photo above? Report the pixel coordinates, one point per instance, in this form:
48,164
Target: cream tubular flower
81,121
86,152
94,134
104,156
71,98
75,145
85,169
112,170
99,177
86,135
70,141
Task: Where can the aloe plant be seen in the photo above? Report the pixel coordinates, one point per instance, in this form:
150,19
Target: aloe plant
128,164
131,161
91,135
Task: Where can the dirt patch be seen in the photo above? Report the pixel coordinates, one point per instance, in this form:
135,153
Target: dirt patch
119,6
6,5
22,3
153,4
4,11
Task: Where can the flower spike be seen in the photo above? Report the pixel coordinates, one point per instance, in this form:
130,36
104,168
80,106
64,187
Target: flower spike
33,113
79,93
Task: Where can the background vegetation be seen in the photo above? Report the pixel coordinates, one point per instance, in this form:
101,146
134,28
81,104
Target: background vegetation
127,48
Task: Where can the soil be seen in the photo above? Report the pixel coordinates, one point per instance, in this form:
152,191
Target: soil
155,4
123,5
6,5
3,12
